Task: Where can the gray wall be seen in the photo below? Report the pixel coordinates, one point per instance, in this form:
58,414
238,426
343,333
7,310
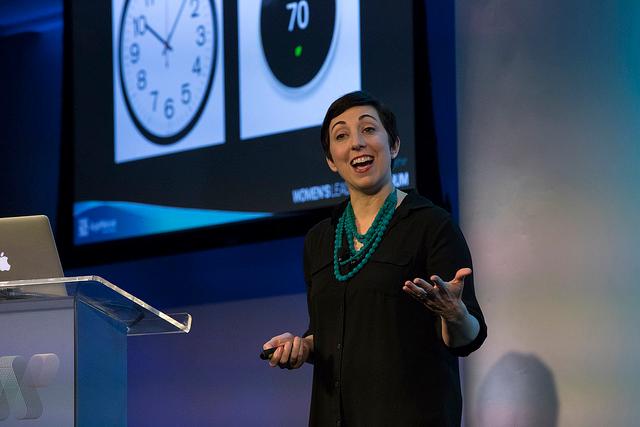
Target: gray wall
548,162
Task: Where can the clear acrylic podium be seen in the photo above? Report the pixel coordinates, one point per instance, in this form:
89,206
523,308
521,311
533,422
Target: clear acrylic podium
63,350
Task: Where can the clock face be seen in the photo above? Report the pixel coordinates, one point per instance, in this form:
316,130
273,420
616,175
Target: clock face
297,38
167,61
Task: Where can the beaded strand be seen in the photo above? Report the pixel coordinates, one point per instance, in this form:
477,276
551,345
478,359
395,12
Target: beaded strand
347,229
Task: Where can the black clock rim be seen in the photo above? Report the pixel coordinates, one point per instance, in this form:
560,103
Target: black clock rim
167,140
331,45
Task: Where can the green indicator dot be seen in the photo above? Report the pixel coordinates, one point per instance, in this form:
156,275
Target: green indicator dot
298,51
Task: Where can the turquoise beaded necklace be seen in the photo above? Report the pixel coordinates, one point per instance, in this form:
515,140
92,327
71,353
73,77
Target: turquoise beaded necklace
347,230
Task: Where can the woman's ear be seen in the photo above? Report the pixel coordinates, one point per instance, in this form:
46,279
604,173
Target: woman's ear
395,148
332,165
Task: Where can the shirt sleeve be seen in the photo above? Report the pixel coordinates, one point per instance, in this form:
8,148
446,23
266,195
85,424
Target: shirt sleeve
306,266
448,252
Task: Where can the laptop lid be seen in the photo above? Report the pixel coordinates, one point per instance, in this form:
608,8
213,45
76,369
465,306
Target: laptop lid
28,249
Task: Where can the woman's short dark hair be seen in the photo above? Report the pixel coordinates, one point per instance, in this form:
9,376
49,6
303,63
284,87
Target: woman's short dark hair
355,99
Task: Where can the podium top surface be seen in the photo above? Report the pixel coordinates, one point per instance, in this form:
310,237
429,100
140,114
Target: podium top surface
135,315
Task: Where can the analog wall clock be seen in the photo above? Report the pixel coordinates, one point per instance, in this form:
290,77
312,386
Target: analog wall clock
167,61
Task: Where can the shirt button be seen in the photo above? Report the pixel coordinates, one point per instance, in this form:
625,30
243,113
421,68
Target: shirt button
338,423
337,384
339,346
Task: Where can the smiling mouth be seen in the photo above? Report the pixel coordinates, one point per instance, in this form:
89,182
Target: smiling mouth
362,163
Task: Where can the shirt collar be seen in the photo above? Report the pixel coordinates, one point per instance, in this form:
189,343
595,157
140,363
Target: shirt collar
411,202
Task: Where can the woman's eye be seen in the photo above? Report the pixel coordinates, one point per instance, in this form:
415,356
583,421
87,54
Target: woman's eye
369,129
340,136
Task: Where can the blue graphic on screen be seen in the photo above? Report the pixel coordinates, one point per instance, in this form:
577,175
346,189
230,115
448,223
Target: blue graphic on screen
100,221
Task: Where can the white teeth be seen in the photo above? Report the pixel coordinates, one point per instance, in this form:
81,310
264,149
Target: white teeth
361,160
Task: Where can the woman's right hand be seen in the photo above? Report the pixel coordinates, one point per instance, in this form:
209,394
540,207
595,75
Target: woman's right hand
292,351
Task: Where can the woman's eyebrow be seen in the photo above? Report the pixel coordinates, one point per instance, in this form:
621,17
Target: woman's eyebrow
341,122
367,115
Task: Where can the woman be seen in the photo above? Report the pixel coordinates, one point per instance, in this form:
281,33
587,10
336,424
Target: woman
384,341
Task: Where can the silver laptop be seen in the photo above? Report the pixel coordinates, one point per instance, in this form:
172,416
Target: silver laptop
27,249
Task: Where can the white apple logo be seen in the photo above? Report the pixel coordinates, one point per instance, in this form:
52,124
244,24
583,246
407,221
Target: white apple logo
4,264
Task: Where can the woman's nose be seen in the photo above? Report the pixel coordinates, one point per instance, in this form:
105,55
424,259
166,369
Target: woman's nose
358,142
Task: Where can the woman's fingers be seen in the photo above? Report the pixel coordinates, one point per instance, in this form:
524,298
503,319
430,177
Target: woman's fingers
286,352
461,274
421,288
269,344
422,293
291,351
442,288
277,340
412,289
435,296
295,351
275,357
442,298
289,354
301,354
437,280
422,283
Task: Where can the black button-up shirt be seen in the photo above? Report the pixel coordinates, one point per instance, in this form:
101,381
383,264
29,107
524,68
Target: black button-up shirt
379,358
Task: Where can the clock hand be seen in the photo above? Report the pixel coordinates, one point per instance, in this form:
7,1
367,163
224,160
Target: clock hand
166,44
175,23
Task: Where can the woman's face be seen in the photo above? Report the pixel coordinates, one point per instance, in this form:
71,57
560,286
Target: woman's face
360,152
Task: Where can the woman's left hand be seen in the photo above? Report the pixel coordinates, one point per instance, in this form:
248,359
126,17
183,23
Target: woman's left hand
443,298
